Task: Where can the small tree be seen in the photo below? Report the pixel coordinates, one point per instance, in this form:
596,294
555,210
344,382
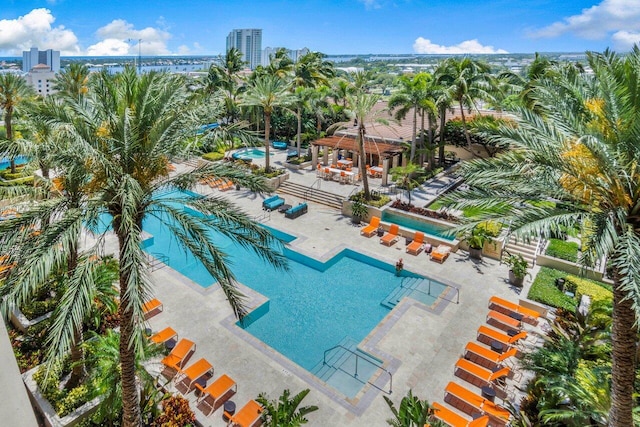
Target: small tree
284,411
412,412
408,177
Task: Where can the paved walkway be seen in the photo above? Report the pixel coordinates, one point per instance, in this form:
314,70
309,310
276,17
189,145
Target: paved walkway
421,343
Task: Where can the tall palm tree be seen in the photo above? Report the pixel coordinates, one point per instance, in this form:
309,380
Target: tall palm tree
267,92
580,147
73,81
224,78
14,93
409,99
465,80
124,132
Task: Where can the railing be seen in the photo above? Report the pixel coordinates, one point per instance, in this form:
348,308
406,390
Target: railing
355,190
310,189
355,374
418,280
157,261
539,246
265,216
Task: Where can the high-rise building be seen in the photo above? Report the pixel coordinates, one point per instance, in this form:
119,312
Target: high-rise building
33,57
294,55
249,43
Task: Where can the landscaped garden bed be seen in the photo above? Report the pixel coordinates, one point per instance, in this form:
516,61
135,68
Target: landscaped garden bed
563,249
546,289
399,204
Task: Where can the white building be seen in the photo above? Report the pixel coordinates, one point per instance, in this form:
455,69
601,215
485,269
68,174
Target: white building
249,43
33,57
268,53
41,79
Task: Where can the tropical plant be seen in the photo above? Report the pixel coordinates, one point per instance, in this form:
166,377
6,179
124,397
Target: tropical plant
358,210
73,81
580,146
285,411
175,413
408,177
267,92
517,264
14,94
123,133
412,412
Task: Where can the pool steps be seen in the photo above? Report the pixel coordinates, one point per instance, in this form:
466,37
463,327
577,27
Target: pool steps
413,287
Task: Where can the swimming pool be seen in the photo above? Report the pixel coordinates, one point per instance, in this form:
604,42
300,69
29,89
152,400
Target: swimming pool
311,308
5,162
417,224
249,153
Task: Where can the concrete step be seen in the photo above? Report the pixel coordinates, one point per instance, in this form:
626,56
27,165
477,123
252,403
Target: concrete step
526,249
311,194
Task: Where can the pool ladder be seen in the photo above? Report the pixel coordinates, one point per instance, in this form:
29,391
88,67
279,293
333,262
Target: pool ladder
355,374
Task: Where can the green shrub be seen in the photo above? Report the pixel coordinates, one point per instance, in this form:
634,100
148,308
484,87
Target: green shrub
73,400
64,401
36,309
563,250
213,156
597,291
27,180
377,200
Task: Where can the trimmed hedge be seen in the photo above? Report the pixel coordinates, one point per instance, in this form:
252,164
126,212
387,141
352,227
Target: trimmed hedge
563,249
544,289
213,156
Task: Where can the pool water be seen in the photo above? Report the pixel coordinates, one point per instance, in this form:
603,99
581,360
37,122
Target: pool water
312,307
417,224
5,162
249,153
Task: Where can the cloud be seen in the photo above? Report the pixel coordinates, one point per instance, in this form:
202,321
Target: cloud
422,45
618,19
371,4
120,37
35,30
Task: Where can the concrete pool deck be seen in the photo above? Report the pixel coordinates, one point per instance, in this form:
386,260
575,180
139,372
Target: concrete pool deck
419,344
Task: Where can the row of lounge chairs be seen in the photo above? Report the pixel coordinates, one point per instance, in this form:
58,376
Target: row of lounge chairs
417,245
485,366
217,183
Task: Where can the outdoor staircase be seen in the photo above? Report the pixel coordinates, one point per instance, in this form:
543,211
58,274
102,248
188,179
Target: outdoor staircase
308,194
526,249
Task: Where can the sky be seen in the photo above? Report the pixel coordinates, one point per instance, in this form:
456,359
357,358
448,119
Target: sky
199,27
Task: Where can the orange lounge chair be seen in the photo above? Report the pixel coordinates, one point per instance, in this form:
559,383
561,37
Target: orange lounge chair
391,237
503,321
151,306
217,390
452,419
469,403
372,228
483,356
477,375
508,307
416,246
193,372
176,358
487,334
226,185
247,416
441,253
164,335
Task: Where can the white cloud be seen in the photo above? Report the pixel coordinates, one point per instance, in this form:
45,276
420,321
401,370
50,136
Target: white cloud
120,37
35,30
371,4
618,18
184,50
625,38
422,45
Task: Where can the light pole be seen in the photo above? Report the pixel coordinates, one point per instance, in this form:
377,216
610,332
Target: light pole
139,56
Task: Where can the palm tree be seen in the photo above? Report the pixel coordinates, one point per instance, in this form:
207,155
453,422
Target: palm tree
412,412
408,177
124,132
409,99
267,92
224,78
14,93
285,411
73,81
580,148
465,80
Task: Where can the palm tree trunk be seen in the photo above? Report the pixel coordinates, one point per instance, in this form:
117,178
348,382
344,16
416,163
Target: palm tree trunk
443,122
130,397
623,344
464,125
363,160
298,140
267,130
9,129
413,134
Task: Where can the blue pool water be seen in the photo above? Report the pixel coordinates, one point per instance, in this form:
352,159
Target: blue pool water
416,224
310,308
5,162
249,153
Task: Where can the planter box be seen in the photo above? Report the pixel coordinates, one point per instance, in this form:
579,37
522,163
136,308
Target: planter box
21,323
569,267
274,183
293,166
42,405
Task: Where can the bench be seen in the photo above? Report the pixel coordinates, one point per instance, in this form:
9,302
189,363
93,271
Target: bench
272,203
296,211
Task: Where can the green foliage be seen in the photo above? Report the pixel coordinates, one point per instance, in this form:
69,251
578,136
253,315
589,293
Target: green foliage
27,180
377,200
479,235
544,289
563,249
286,410
272,173
63,401
412,412
518,265
214,156
176,413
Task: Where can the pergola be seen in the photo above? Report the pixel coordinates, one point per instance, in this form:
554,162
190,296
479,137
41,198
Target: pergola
383,151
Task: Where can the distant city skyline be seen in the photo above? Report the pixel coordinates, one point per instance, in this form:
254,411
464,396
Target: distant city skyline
199,27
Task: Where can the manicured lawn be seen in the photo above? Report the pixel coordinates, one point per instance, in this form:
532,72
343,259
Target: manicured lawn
563,249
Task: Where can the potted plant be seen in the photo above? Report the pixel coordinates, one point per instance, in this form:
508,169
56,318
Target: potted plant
518,269
358,211
476,238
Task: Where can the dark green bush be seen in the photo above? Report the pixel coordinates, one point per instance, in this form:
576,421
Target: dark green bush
563,250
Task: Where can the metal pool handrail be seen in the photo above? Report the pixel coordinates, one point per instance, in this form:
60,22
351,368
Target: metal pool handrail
355,375
310,189
457,301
